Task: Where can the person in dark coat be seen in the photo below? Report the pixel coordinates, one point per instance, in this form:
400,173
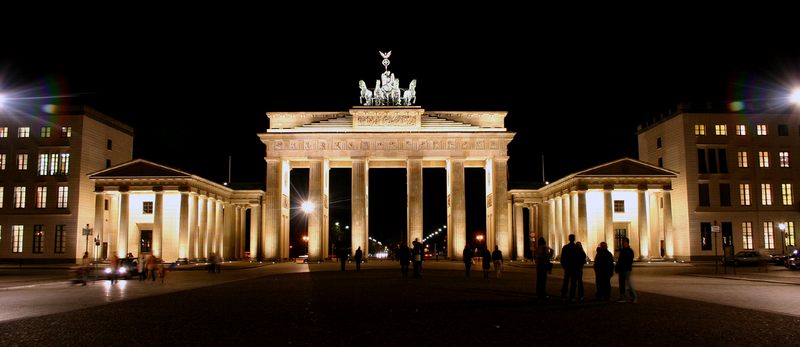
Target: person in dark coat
416,255
497,260
486,257
624,268
467,255
542,256
359,257
343,254
577,273
603,271
404,255
568,262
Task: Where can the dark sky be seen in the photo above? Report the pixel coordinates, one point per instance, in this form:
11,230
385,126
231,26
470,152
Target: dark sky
196,88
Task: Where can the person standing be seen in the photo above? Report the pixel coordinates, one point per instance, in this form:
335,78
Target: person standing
624,268
114,268
577,274
467,256
86,265
497,259
542,257
359,256
603,271
568,262
404,255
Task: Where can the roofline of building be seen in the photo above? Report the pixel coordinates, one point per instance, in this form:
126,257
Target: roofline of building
708,108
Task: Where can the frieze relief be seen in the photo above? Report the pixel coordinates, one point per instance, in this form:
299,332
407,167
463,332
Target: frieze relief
391,144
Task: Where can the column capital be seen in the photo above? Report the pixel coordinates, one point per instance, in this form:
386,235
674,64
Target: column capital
608,187
667,187
99,189
642,187
499,158
158,189
124,189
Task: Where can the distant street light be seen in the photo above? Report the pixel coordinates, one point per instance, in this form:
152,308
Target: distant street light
305,240
782,228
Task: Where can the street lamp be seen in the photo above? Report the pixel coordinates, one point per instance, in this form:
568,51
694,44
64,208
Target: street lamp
305,239
307,207
479,237
715,229
794,97
86,232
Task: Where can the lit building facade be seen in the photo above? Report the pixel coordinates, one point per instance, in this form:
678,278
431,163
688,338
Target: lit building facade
46,197
736,171
141,207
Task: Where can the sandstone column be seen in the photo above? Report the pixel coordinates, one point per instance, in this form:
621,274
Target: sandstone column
124,212
414,193
183,228
456,209
358,204
608,217
158,222
644,234
668,236
99,220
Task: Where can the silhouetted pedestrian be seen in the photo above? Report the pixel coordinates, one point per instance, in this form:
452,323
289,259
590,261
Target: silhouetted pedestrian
577,273
542,257
603,271
416,256
486,258
497,260
624,268
343,254
359,257
404,255
467,255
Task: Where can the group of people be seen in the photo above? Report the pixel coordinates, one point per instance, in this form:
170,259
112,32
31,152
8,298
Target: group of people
573,259
414,255
487,259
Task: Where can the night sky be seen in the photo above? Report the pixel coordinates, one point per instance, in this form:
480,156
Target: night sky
196,90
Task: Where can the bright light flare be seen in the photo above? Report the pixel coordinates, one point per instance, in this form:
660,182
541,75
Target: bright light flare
795,96
2,100
308,207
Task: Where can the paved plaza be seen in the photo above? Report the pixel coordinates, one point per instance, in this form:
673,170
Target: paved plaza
299,304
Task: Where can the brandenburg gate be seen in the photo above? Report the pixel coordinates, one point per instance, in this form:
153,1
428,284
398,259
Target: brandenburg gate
385,131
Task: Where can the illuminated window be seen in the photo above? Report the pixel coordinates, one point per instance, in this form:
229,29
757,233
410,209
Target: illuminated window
2,197
24,132
43,160
45,132
789,234
147,207
17,232
747,235
699,129
22,161
721,129
41,197
705,236
742,159
786,194
63,164
19,197
766,194
66,131
53,164
619,206
769,238
63,197
744,194
761,130
59,239
38,237
763,159
784,158
2,161
3,132
741,130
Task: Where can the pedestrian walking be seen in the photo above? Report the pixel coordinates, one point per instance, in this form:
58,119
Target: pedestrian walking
542,256
343,254
497,259
603,271
114,268
467,256
486,258
416,256
86,266
624,269
152,267
359,256
404,255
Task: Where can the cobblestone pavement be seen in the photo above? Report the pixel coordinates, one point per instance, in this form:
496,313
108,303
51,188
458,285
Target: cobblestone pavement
317,306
